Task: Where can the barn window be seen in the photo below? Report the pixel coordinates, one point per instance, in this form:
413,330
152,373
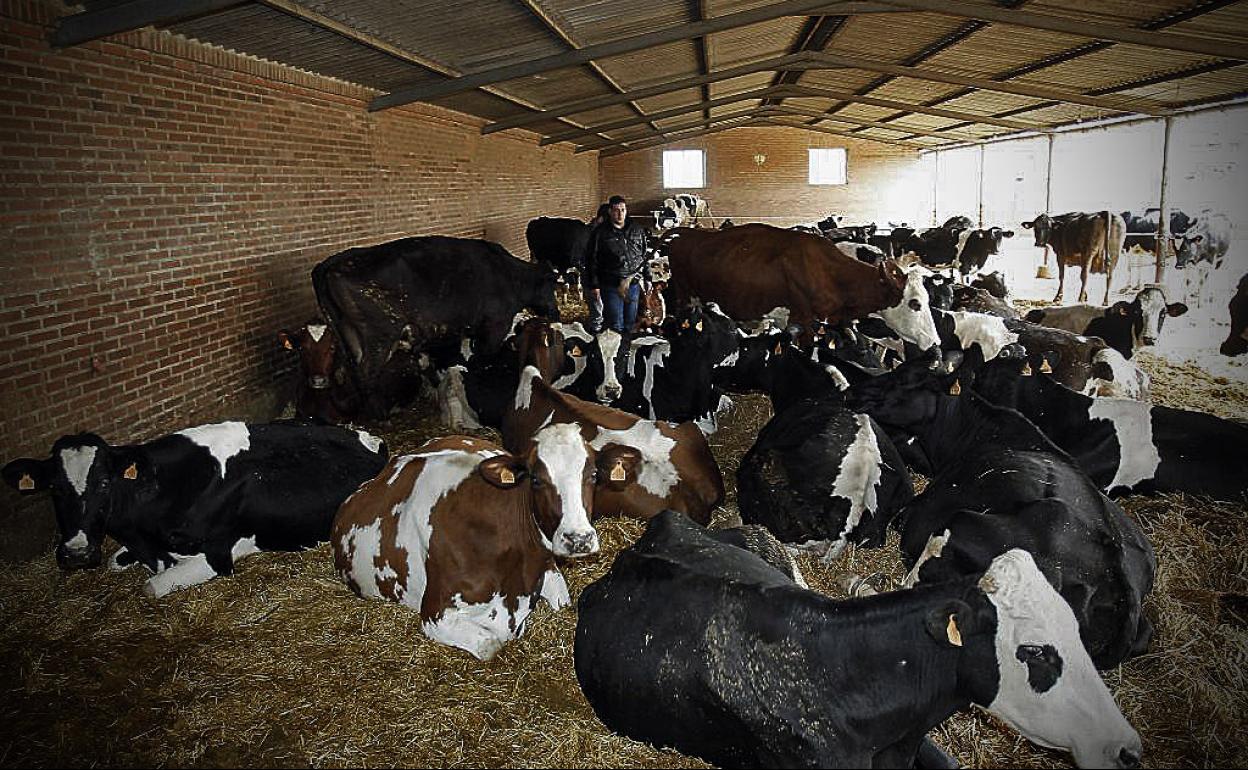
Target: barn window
684,168
827,165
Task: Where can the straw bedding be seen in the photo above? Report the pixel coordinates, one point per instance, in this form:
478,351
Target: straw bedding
280,665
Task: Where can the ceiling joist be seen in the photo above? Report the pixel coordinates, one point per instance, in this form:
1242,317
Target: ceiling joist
828,93
86,26
695,134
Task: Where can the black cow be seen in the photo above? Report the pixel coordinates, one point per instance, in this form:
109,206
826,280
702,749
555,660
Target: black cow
1122,444
998,484
704,647
821,477
1237,341
187,506
993,283
979,300
388,302
561,244
979,245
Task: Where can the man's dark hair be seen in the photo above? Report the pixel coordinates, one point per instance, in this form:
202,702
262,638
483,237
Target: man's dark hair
614,199
604,211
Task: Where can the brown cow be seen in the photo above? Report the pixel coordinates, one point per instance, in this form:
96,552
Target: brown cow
651,310
464,533
752,269
644,465
1080,240
319,393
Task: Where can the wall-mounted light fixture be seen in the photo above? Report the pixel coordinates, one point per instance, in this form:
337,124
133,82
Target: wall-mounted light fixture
759,159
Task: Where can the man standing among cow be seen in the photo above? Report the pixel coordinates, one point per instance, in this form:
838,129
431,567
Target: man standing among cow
614,264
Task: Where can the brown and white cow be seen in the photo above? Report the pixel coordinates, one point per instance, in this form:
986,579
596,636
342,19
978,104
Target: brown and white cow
644,465
318,393
751,269
466,534
1091,242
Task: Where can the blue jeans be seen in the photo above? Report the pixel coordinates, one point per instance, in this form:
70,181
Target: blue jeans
620,314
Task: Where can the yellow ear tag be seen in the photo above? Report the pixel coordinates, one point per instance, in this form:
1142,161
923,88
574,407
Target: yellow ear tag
286,344
956,390
832,343
1027,369
506,476
1045,368
685,324
699,326
132,472
617,471
576,351
779,350
26,483
955,636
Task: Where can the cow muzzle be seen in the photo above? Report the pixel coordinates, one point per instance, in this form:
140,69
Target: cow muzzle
609,392
574,544
318,382
78,558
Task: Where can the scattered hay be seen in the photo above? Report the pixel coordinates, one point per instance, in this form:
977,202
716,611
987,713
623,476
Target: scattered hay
280,665
1187,386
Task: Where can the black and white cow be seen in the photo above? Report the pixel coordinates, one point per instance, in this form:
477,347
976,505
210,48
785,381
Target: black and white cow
1142,228
862,252
821,477
993,283
190,504
1082,363
1122,444
704,647
560,243
1125,326
973,253
1201,250
998,484
979,300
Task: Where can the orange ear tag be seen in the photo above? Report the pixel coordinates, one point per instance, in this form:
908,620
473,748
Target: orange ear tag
506,476
956,390
1045,368
132,472
26,483
955,636
1027,369
617,471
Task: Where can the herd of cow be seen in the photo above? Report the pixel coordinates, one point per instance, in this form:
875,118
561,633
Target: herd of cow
1025,575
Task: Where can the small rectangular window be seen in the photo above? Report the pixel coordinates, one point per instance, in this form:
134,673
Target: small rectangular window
827,165
684,168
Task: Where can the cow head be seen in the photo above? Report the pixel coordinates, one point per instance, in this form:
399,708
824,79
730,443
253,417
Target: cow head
560,472
1151,306
907,397
85,477
939,289
1187,249
1237,341
317,349
1044,683
911,317
1042,226
540,343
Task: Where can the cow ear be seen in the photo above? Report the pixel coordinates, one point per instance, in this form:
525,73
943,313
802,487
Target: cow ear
617,466
948,623
1119,308
286,340
1176,309
1028,225
27,476
503,471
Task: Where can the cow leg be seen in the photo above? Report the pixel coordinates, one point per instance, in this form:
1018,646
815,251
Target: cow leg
1109,279
1061,279
187,571
1083,279
554,589
933,550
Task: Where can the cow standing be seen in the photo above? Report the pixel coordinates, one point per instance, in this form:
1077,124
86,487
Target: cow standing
704,647
388,302
319,393
1201,251
189,505
559,243
1092,242
466,534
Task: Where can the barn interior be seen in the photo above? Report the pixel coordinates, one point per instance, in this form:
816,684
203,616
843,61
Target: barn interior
174,170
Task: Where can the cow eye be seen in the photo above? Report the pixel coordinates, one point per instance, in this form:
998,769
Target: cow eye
916,305
593,476
537,481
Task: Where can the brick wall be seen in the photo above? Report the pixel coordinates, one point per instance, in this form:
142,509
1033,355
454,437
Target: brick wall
162,205
884,181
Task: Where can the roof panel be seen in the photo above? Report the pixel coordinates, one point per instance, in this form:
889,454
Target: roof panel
756,41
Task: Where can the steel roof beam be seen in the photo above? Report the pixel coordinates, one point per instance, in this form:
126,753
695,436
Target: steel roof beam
86,26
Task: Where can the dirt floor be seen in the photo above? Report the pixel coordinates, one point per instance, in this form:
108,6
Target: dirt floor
281,665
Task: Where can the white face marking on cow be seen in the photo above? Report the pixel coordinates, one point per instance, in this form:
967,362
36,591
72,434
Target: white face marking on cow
1129,380
561,450
516,320
555,590
78,542
987,330
859,475
370,442
222,440
316,331
579,364
610,389
934,548
524,393
913,322
574,330
1133,424
838,379
77,462
656,473
481,629
1076,711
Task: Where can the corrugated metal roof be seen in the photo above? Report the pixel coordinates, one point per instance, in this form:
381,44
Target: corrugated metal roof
457,38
